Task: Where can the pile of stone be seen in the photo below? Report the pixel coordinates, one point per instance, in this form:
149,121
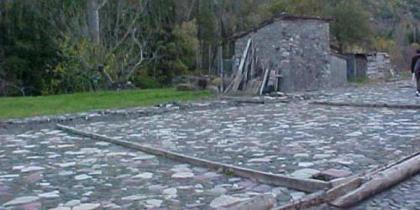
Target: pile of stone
193,83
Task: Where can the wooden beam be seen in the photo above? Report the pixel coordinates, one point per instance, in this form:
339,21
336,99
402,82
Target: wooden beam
239,74
342,189
380,182
305,185
247,69
265,80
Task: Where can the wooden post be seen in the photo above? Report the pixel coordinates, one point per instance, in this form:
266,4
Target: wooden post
222,71
265,80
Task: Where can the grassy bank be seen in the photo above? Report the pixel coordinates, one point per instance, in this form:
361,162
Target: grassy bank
18,107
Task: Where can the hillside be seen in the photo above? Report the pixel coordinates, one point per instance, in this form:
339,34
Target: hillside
396,25
366,25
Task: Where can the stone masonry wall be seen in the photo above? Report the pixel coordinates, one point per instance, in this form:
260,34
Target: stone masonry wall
338,71
379,66
299,50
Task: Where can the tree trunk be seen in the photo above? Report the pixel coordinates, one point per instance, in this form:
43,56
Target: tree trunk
210,59
93,20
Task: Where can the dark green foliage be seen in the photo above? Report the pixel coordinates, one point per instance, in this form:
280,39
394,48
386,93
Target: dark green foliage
351,24
168,47
351,21
28,50
414,36
207,22
46,46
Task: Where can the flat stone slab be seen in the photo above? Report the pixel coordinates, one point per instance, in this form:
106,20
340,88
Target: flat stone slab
43,169
392,93
279,138
21,200
59,171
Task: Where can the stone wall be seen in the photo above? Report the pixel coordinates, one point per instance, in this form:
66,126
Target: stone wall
379,66
298,50
338,71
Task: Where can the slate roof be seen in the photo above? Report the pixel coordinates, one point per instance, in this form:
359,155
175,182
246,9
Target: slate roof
281,16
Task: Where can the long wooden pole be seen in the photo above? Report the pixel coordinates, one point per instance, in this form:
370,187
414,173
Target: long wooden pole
305,185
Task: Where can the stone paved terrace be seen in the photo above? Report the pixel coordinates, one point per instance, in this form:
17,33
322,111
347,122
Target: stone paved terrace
46,168
279,138
393,93
43,169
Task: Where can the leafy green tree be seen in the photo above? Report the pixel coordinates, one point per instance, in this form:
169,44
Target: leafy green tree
351,24
28,49
299,7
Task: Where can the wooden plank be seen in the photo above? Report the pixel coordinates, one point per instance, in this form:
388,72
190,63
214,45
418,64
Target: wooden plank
239,74
246,71
305,185
256,88
253,63
265,80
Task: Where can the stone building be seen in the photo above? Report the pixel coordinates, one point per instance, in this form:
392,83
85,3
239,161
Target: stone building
357,65
297,50
372,66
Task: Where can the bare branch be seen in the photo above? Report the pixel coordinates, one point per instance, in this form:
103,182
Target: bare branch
140,60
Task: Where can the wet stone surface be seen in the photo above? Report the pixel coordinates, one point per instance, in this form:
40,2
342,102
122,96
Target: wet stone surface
296,139
392,93
48,169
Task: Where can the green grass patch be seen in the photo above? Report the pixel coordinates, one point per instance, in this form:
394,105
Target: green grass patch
406,75
360,80
19,107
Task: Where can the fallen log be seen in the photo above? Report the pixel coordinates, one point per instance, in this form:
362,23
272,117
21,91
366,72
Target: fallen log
372,171
379,182
343,188
305,185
